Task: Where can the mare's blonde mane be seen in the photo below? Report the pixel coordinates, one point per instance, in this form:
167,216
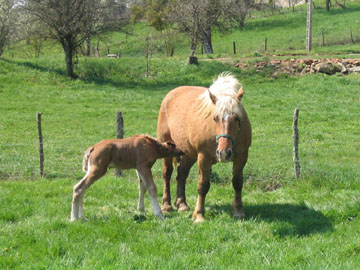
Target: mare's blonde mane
225,88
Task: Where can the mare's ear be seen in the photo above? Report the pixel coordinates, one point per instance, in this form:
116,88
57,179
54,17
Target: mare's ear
171,145
240,94
212,97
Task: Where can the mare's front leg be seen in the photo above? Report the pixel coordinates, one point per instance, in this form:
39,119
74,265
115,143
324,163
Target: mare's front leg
237,181
182,173
146,176
202,188
167,169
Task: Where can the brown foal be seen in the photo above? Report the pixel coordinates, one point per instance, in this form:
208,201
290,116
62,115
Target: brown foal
138,152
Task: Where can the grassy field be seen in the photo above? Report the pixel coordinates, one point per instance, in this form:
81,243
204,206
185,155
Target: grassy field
310,223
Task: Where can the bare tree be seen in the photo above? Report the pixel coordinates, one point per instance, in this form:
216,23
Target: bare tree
71,22
6,7
197,19
239,9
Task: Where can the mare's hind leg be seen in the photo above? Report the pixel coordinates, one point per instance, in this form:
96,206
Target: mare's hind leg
182,173
142,191
167,169
146,176
237,181
79,191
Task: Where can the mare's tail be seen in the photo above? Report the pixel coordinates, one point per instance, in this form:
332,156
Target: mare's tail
86,158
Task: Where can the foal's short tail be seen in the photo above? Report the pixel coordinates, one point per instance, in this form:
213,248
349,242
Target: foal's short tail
176,161
86,158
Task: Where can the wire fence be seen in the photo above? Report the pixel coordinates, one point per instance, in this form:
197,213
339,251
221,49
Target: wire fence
63,154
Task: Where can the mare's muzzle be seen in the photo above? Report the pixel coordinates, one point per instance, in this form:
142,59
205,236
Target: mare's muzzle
225,154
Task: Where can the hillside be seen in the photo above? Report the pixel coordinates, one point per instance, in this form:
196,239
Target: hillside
284,29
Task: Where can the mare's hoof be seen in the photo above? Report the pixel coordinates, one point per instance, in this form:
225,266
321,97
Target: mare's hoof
239,215
166,207
183,207
198,218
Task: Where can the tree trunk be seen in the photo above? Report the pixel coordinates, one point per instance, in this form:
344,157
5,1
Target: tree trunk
207,41
69,49
328,5
88,46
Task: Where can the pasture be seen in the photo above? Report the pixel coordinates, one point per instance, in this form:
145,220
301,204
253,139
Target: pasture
311,223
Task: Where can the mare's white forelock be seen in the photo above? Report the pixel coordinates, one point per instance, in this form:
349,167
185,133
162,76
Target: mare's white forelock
224,88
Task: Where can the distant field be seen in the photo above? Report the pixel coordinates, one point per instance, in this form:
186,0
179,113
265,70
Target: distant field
285,31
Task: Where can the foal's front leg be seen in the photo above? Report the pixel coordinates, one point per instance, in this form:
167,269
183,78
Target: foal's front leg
142,190
146,176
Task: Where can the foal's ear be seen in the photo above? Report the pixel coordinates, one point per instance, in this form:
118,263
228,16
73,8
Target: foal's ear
171,145
212,97
240,94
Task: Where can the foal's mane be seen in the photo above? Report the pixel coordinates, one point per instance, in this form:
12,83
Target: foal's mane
153,140
225,88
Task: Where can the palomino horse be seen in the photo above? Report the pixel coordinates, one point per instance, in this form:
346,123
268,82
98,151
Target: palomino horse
138,152
208,125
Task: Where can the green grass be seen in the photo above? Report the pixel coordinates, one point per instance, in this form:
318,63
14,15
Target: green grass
312,223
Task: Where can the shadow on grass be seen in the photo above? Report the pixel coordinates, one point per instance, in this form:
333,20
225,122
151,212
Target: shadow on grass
36,67
191,75
286,219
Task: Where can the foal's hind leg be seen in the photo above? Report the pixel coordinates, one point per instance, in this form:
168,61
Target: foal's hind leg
91,176
182,173
146,176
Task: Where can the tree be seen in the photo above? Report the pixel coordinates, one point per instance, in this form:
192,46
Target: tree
6,7
197,19
71,22
328,4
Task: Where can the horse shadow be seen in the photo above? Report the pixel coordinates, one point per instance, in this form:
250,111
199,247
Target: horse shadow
286,219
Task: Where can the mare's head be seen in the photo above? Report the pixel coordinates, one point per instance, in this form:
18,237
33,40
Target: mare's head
224,98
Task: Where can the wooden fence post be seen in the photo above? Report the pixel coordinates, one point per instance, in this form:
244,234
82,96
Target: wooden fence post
41,147
296,144
119,133
265,43
351,36
309,26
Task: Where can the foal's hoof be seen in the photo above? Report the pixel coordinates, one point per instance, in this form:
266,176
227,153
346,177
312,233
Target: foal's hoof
161,217
183,207
84,219
166,207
